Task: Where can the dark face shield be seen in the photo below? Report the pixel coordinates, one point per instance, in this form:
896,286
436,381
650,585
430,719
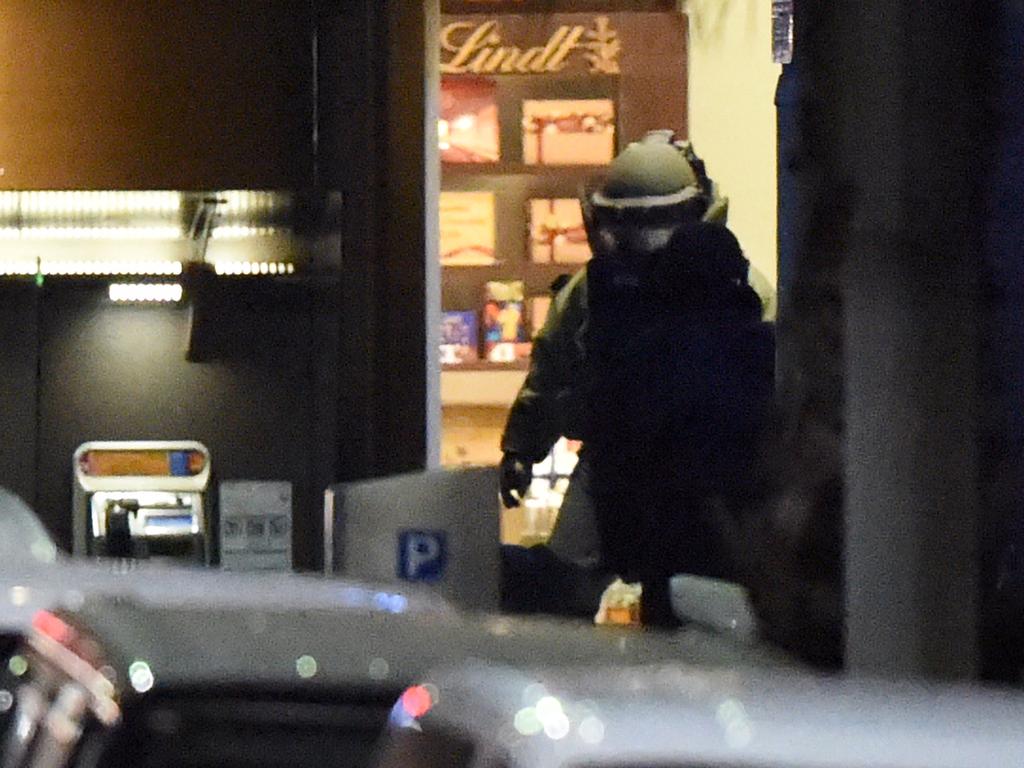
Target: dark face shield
630,239
636,226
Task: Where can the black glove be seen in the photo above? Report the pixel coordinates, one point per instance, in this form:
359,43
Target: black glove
515,475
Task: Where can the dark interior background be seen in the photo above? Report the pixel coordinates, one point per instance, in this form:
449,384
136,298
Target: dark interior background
119,372
304,380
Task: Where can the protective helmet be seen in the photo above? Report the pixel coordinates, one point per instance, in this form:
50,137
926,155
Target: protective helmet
651,188
651,167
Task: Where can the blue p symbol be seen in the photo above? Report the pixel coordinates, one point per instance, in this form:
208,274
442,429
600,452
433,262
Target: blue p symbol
421,555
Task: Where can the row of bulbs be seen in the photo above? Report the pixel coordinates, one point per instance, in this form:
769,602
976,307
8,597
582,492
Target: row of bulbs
66,203
156,268
168,293
225,232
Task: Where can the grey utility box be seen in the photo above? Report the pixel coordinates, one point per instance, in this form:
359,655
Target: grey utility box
256,525
438,528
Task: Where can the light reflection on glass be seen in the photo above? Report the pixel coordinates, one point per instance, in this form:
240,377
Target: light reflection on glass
384,601
141,676
379,669
547,716
736,726
534,693
18,665
591,730
557,727
306,667
548,707
526,722
417,701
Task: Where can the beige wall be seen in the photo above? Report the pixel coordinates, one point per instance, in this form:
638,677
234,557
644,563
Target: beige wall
732,115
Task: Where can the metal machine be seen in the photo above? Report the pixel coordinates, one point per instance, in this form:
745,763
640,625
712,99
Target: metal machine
438,528
142,499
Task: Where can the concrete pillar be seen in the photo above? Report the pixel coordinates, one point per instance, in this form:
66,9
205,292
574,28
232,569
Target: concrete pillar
904,181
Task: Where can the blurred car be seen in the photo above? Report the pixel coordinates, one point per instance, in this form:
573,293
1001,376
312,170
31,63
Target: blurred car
25,547
480,715
54,581
37,579
721,606
118,663
23,538
122,681
35,574
31,590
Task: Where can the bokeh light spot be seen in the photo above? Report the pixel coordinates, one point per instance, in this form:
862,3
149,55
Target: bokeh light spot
141,676
306,667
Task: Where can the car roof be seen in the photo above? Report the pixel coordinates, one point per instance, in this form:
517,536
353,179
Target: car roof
67,582
685,714
281,645
23,538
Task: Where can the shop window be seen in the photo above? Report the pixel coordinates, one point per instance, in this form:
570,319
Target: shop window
534,103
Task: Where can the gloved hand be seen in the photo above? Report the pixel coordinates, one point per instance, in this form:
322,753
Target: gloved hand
514,476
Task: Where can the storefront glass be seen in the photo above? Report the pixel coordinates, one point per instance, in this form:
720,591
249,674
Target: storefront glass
533,104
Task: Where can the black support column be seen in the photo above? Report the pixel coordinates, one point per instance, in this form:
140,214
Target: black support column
1002,349
408,378
378,87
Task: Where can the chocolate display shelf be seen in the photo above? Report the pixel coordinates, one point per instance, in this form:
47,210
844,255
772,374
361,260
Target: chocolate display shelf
554,6
487,365
586,83
453,172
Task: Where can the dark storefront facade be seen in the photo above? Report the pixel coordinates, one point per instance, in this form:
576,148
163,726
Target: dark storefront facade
270,101
303,347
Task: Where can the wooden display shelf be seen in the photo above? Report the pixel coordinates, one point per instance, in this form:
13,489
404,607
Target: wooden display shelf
487,365
512,168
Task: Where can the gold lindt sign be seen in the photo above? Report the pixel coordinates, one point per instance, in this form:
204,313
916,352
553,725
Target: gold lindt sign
470,47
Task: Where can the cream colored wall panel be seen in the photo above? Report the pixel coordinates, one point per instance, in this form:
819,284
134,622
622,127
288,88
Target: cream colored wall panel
732,115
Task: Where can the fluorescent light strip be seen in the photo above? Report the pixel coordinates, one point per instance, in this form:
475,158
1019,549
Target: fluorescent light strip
145,292
98,233
253,268
243,201
237,232
24,268
50,203
111,268
8,203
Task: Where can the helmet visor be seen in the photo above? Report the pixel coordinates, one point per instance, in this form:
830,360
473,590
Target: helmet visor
638,224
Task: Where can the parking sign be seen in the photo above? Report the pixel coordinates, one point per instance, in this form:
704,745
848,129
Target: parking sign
422,555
